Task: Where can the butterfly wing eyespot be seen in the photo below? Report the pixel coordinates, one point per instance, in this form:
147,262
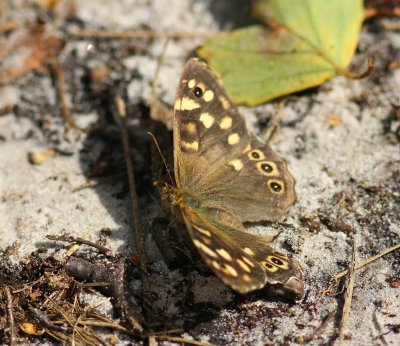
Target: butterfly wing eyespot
256,155
279,262
198,92
269,267
267,168
276,186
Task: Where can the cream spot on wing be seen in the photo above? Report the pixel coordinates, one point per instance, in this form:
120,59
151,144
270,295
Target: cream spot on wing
237,164
248,251
224,102
207,119
204,248
245,259
201,86
225,123
192,83
224,254
203,231
208,95
233,139
244,266
248,148
193,145
177,105
229,270
191,128
185,104
246,278
206,241
216,265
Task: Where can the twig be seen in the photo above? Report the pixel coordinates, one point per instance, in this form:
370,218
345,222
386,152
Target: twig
94,284
322,327
184,341
59,76
154,108
136,216
60,86
99,181
10,315
390,25
354,75
378,326
137,34
44,321
370,12
367,261
273,125
152,341
73,320
71,239
349,296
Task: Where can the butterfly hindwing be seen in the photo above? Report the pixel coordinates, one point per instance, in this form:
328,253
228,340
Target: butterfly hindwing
228,261
242,260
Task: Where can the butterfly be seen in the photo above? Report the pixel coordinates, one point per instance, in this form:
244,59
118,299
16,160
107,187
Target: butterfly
226,176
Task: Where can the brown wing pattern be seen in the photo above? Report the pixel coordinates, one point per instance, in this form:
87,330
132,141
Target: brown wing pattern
218,158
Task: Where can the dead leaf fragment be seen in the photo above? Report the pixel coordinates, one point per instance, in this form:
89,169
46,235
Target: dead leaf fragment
40,157
25,50
31,329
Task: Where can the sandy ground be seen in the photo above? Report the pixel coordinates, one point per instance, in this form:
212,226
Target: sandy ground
341,142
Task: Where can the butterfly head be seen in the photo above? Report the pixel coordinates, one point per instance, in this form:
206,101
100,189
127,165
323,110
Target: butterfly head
180,197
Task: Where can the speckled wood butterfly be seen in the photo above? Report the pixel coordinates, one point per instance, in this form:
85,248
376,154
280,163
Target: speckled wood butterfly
226,176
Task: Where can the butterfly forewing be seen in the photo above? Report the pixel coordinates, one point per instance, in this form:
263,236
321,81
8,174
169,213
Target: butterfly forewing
216,156
207,123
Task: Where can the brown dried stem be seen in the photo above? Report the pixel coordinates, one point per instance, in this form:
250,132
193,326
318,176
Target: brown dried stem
367,261
59,76
77,240
349,296
136,34
136,215
10,311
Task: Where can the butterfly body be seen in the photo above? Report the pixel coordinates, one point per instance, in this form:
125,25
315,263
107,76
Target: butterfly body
225,176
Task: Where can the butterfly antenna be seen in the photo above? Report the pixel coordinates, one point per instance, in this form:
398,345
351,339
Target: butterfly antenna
274,124
162,156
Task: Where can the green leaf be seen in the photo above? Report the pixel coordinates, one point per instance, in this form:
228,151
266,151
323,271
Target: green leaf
312,41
